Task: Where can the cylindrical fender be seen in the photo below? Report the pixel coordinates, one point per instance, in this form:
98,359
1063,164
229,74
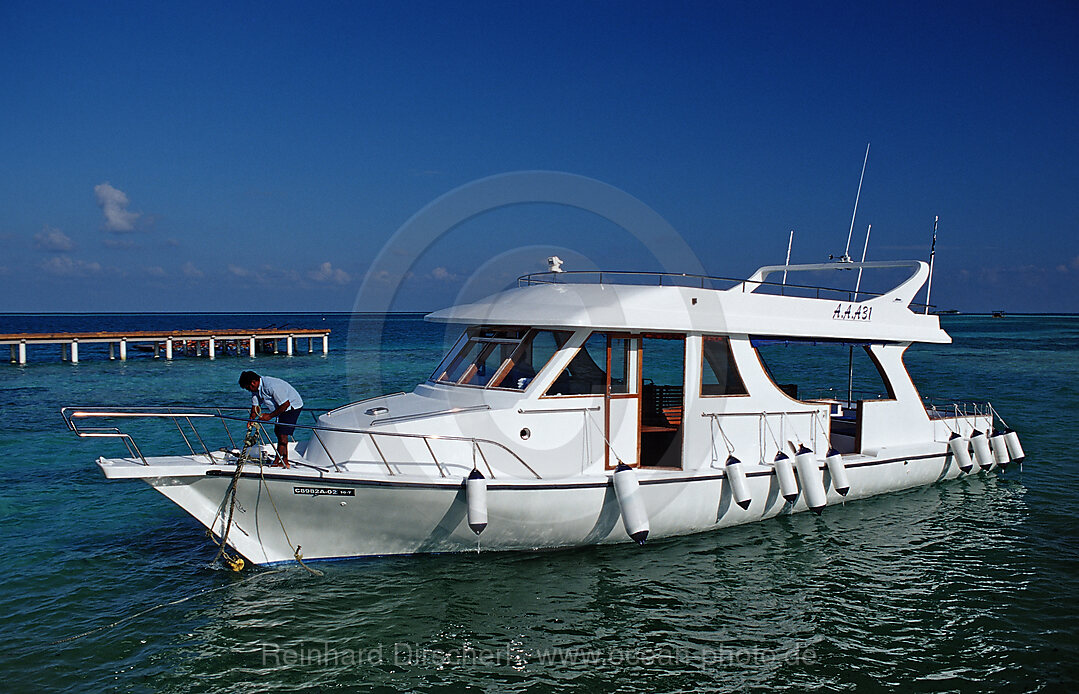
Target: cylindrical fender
476,496
838,471
982,454
1015,449
788,485
811,480
960,448
736,478
628,492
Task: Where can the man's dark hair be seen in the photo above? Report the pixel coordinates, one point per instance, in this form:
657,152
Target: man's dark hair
247,378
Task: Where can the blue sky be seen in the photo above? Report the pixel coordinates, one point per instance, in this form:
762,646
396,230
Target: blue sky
257,157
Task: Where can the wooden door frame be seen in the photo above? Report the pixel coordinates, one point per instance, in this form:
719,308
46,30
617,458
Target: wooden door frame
635,394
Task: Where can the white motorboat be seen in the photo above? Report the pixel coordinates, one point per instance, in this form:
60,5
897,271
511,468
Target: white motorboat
594,408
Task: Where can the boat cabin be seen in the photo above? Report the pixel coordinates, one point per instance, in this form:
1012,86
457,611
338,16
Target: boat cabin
644,389
674,377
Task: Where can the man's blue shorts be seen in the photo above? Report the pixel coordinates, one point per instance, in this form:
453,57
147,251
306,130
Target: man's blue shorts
284,419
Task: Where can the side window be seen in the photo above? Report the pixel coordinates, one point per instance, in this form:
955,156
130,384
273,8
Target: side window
620,384
807,370
719,373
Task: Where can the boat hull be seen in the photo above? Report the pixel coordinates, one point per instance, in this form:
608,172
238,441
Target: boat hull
337,516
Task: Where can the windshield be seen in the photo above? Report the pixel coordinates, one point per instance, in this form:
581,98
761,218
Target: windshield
506,358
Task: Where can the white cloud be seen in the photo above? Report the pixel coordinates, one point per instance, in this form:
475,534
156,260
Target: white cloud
266,275
51,239
328,273
68,266
441,273
386,277
155,271
113,203
190,270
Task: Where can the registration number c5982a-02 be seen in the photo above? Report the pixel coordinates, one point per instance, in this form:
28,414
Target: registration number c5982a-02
852,312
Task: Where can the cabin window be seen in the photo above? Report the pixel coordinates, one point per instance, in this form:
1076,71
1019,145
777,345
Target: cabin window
500,358
530,356
821,370
719,373
586,374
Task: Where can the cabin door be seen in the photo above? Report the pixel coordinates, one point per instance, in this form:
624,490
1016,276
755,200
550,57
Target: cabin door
622,400
662,367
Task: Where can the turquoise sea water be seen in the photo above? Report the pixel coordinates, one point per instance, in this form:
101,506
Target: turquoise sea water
969,585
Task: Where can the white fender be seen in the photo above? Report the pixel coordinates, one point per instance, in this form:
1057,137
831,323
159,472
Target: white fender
788,485
960,448
628,492
811,480
1015,449
476,496
736,478
838,471
981,449
1000,449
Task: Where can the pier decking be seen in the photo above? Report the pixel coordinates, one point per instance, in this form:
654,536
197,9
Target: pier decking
170,342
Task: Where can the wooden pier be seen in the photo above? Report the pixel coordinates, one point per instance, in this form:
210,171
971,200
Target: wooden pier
171,342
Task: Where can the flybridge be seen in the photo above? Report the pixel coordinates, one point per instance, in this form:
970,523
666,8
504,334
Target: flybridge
636,301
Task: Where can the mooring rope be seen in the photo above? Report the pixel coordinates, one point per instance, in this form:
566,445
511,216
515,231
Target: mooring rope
296,553
249,440
165,604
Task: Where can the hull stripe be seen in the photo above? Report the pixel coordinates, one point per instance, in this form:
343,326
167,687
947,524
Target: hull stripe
356,482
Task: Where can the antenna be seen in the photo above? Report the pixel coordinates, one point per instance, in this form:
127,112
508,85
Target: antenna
858,284
932,255
850,348
846,251
790,241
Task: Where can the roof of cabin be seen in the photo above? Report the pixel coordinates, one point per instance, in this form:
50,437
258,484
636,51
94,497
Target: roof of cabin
553,300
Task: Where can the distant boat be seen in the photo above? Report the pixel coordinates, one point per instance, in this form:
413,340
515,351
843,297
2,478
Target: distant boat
999,314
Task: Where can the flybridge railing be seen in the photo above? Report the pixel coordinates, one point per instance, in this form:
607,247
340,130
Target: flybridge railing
188,416
670,279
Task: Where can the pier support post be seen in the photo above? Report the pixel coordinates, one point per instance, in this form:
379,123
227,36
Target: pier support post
275,340
112,352
213,351
288,345
157,350
63,351
168,348
309,350
251,346
325,344
198,348
123,349
22,351
75,351
13,357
